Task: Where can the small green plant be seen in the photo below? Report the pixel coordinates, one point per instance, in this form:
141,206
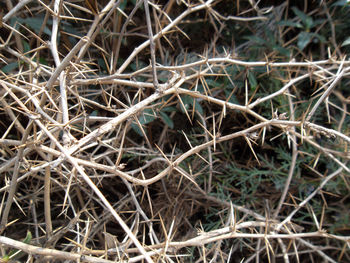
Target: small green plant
306,25
268,42
15,253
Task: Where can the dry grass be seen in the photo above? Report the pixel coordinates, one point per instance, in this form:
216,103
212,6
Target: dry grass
78,174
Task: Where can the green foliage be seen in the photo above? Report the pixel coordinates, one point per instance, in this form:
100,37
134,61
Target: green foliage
150,115
341,3
250,179
15,253
346,42
190,103
270,42
339,220
14,65
306,24
9,67
33,23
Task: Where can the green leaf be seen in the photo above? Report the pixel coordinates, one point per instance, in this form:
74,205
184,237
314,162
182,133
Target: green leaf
137,129
200,88
26,46
304,38
290,23
12,253
341,3
319,37
147,116
252,80
283,51
101,62
187,101
169,109
309,23
9,67
346,42
43,61
256,39
123,5
28,238
5,259
211,83
233,99
198,107
34,23
94,113
317,22
168,121
301,15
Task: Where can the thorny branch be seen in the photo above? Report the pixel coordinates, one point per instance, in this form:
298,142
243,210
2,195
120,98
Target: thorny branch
71,130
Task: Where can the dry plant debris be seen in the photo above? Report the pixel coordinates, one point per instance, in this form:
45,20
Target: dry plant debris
131,131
